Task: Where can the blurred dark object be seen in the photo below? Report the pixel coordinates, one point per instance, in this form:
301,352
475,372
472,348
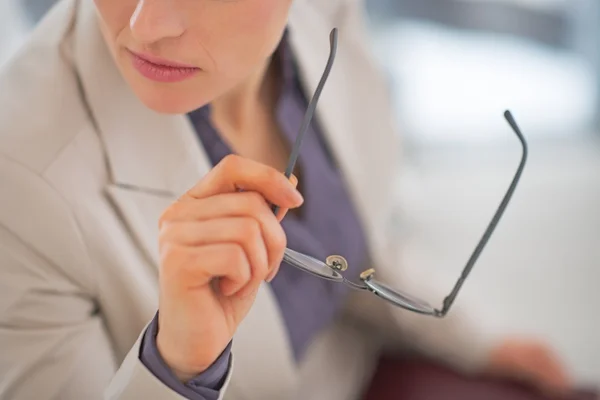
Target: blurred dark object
397,379
34,10
549,26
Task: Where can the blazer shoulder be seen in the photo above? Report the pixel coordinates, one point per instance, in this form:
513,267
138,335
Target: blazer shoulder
41,104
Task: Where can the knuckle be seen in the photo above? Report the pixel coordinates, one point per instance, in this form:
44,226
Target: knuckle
255,201
163,235
273,176
237,256
249,228
168,254
230,163
165,232
166,215
279,239
277,245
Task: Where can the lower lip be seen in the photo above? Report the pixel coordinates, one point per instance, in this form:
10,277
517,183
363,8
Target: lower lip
162,73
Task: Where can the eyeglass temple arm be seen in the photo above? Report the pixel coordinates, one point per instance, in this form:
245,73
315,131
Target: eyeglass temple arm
449,300
308,116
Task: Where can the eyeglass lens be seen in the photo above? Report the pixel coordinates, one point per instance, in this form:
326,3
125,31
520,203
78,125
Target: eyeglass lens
322,270
399,298
311,265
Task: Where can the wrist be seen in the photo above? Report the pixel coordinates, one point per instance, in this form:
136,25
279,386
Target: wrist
184,370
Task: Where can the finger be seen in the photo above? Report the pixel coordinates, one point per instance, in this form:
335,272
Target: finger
234,173
246,204
283,211
542,364
277,253
186,268
551,372
221,205
238,204
541,369
244,231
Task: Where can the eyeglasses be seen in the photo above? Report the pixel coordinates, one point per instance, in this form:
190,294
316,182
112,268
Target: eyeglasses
332,268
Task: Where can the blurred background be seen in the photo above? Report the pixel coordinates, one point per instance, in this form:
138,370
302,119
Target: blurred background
454,66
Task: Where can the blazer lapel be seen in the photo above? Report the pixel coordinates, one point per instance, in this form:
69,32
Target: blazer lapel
154,158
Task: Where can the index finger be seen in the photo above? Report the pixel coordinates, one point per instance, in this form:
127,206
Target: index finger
234,173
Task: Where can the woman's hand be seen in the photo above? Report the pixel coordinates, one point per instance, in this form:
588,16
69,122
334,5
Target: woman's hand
529,361
218,243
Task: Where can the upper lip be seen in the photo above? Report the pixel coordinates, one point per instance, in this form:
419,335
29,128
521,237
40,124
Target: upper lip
163,62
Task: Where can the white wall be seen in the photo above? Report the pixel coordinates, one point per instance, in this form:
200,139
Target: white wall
540,273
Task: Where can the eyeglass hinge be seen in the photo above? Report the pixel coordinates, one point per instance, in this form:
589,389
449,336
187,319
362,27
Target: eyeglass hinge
337,263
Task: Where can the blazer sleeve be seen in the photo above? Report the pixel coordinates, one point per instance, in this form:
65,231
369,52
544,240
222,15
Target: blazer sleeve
457,339
53,341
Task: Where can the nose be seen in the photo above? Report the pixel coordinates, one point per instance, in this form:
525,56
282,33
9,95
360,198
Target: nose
154,20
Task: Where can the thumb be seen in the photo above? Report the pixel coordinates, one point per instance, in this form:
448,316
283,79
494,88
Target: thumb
283,211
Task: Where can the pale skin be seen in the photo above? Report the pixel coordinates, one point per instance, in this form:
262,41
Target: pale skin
217,243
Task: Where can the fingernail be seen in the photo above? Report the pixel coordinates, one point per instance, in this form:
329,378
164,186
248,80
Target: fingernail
271,276
280,214
297,197
246,291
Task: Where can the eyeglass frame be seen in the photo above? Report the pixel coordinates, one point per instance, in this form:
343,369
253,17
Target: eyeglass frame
333,266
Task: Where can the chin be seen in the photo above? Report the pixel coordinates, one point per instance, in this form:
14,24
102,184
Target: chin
169,100
167,104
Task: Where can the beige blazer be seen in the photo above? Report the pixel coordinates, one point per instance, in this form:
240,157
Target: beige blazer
85,171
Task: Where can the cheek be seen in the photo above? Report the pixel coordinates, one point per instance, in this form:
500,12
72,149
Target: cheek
264,13
251,33
115,15
264,18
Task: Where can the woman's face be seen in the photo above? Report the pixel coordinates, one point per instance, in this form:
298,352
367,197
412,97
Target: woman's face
178,55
